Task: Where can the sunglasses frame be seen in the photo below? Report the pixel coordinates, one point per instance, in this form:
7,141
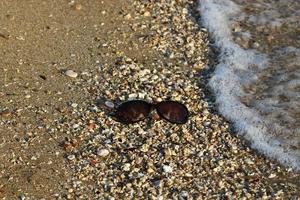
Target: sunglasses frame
152,106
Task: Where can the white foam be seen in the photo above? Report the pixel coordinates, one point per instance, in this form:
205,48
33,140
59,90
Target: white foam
237,68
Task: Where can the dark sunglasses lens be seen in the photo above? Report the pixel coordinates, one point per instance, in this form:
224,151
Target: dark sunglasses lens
173,111
132,111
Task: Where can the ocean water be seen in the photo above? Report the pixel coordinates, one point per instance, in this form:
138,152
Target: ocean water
257,79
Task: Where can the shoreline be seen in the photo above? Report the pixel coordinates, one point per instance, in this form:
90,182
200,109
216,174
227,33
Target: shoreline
241,98
151,51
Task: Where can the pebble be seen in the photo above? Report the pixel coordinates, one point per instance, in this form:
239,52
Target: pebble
157,183
189,175
167,169
154,77
109,104
22,197
132,96
126,167
78,7
272,175
75,126
71,157
184,194
103,152
128,16
147,14
71,73
5,113
150,170
91,126
33,158
249,161
74,105
142,95
76,184
160,197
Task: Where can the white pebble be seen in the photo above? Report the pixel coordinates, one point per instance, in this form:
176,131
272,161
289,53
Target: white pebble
126,167
33,158
144,72
272,176
159,99
154,77
75,126
188,175
184,194
71,73
103,152
22,197
167,169
249,161
71,157
142,95
74,105
76,184
132,96
109,104
128,16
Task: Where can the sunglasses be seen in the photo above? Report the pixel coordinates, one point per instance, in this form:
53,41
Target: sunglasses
137,110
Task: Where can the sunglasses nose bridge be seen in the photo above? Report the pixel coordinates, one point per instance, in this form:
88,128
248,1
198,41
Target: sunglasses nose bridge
152,106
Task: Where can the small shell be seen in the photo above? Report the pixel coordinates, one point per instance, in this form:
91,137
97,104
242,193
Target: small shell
109,104
71,73
103,152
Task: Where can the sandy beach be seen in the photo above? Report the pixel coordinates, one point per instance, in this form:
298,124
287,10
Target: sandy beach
66,64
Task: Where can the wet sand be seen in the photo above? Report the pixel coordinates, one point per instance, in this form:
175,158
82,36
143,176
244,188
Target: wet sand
57,139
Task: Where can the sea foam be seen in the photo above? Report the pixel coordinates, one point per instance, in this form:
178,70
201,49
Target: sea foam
237,68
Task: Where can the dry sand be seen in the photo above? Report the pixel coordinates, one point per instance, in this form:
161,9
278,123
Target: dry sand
57,140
